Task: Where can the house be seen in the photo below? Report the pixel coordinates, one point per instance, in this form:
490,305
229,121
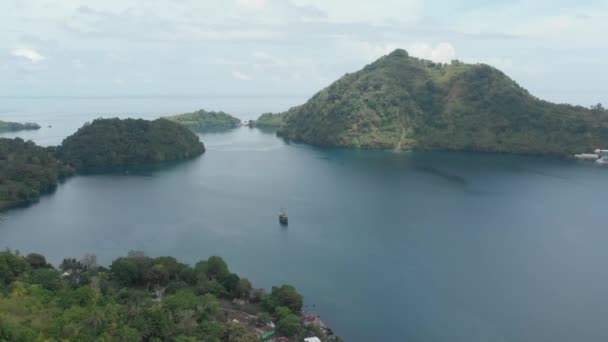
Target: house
316,320
312,339
239,302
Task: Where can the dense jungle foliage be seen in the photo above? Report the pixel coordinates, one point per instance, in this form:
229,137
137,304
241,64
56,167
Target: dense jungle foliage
27,171
139,298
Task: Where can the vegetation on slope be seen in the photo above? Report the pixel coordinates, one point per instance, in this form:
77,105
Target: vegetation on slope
404,103
116,143
138,299
202,120
27,171
269,120
15,126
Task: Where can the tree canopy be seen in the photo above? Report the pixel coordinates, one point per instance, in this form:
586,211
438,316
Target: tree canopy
122,303
115,143
27,171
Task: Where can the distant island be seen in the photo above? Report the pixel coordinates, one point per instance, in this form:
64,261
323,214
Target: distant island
139,298
15,126
268,120
404,103
201,120
28,171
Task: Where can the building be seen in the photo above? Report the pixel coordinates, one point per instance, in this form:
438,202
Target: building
312,339
316,320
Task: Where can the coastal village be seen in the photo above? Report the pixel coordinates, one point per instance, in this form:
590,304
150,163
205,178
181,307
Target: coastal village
249,315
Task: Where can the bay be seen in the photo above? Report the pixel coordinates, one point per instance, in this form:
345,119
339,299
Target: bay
385,246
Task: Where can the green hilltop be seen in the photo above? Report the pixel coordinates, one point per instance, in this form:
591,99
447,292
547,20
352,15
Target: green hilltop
202,120
404,103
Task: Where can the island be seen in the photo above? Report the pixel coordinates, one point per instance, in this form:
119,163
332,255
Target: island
204,121
28,171
118,143
140,298
403,103
6,126
268,120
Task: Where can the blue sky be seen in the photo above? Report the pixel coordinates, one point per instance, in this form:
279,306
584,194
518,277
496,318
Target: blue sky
555,49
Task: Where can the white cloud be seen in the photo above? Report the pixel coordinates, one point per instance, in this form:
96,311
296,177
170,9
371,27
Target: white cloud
251,4
268,58
77,63
441,53
29,54
241,76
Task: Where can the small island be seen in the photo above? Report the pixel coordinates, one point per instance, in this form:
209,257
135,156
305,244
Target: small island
114,143
204,121
268,120
6,126
27,171
139,298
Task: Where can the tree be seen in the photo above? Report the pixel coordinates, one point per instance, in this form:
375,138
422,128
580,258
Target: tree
73,268
36,260
214,268
48,278
11,267
237,332
287,296
290,325
89,262
598,107
263,318
245,288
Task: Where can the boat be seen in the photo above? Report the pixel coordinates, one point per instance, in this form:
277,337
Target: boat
283,217
603,156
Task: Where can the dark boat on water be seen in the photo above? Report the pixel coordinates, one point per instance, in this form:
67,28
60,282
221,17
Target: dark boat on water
283,217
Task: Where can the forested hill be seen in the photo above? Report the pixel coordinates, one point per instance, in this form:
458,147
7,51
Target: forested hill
27,171
202,120
6,126
404,103
116,143
139,298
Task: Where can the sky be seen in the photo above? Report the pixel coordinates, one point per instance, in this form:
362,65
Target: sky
556,49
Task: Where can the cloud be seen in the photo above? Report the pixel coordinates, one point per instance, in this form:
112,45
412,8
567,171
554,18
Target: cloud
29,54
269,59
241,76
251,4
441,53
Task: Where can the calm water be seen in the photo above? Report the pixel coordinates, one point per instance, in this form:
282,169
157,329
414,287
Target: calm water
386,246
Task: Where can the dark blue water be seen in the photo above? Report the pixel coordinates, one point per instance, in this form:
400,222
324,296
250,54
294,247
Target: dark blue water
386,246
